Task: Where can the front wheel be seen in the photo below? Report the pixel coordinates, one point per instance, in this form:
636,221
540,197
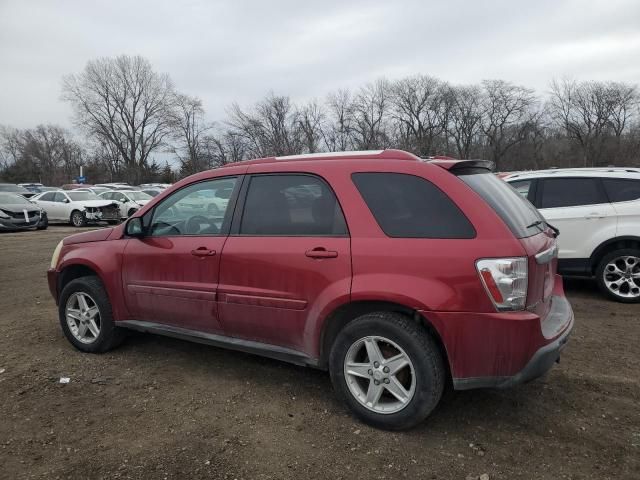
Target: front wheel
388,370
86,317
78,219
618,275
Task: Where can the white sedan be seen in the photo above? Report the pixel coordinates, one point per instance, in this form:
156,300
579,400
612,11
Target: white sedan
129,201
77,208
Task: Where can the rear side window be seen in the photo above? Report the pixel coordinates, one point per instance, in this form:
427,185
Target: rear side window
291,205
407,206
516,212
621,189
571,192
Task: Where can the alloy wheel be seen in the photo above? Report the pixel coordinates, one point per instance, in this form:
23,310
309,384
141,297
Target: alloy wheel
622,276
83,317
379,374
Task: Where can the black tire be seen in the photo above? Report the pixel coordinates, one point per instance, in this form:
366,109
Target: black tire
618,296
419,346
78,219
110,336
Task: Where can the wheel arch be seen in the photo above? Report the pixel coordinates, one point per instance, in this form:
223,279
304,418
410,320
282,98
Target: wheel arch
348,312
616,243
75,270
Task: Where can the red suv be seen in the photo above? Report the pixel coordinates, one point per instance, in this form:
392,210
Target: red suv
396,274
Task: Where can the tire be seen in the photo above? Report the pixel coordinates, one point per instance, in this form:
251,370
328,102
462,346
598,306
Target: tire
423,379
620,280
92,289
78,219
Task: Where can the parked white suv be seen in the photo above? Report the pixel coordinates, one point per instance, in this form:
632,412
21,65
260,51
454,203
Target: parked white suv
597,211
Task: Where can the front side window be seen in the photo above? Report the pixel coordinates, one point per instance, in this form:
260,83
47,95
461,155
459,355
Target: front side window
192,210
291,205
571,192
408,206
622,189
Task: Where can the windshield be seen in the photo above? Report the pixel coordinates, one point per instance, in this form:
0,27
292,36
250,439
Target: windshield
82,196
9,198
138,196
521,217
13,188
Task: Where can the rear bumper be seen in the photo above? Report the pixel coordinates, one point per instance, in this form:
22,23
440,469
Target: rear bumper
503,349
52,280
539,364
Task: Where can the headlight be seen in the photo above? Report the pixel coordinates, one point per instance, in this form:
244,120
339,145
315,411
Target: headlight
3,215
56,255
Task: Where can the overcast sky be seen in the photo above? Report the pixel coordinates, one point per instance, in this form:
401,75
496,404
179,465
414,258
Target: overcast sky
223,51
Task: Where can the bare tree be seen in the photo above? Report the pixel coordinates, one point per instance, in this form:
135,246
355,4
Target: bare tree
419,108
189,129
311,118
507,111
592,112
271,128
339,130
369,115
122,101
465,118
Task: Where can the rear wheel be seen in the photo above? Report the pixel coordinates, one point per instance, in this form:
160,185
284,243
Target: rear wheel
78,219
388,370
86,318
618,275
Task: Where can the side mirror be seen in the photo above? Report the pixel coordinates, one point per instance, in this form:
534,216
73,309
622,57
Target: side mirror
65,200
134,227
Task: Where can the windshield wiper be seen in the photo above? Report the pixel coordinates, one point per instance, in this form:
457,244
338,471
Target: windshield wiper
537,223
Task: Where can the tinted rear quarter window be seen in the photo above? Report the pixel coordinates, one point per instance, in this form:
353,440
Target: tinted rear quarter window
571,192
622,189
514,210
408,206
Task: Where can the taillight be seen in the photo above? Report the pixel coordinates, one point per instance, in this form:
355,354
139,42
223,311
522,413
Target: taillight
505,280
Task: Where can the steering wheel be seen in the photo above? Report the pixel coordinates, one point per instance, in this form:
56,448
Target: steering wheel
193,226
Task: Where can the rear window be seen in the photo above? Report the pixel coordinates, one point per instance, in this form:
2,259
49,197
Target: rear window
406,206
622,189
520,216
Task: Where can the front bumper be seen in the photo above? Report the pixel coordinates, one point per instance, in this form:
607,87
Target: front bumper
52,280
12,224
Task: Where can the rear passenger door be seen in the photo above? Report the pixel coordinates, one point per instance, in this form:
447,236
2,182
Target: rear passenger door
580,209
287,256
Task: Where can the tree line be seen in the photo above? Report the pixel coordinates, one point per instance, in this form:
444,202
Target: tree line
129,115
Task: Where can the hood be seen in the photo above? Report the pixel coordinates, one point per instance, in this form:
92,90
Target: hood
95,203
19,207
85,237
141,202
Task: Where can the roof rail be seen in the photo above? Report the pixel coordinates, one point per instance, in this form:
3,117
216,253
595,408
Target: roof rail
355,154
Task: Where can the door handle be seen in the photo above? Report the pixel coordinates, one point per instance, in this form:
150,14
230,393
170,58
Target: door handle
594,215
203,252
321,252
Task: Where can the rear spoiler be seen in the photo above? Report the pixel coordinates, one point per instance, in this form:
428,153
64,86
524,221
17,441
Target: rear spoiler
464,167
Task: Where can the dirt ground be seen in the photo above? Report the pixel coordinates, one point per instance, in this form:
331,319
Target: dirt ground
164,408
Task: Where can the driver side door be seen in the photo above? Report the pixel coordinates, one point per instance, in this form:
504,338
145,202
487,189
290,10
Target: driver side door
170,275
